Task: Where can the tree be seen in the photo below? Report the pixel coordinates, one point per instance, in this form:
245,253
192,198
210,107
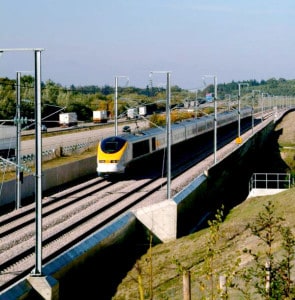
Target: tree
272,279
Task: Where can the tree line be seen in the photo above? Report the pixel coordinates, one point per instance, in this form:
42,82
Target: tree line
85,99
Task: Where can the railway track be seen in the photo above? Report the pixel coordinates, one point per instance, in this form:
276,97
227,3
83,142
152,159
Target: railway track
75,213
67,218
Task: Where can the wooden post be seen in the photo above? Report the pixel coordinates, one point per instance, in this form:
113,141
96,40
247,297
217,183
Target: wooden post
222,285
267,279
186,279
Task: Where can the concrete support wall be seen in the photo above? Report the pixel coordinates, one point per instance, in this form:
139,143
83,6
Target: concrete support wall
264,192
51,178
198,201
69,275
160,219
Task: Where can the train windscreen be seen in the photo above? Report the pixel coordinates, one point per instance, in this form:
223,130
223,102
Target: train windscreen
112,145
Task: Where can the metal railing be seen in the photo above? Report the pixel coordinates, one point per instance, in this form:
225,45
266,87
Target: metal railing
270,181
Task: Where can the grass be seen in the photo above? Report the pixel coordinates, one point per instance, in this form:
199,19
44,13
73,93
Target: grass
287,140
190,251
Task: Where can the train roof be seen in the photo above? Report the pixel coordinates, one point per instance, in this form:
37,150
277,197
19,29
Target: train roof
153,131
142,134
137,135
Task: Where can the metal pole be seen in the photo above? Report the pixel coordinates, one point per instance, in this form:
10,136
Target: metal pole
18,136
239,111
228,104
38,162
168,129
116,101
262,108
215,116
168,122
116,105
38,156
253,104
239,108
196,103
252,113
215,119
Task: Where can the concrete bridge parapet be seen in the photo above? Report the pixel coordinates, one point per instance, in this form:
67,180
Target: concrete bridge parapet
160,218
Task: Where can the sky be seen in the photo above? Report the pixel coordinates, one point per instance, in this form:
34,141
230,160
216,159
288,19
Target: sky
91,42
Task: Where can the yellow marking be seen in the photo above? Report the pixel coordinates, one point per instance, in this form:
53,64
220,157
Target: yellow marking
239,140
111,156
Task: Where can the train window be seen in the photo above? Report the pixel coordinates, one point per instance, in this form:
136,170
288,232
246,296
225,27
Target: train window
112,145
141,148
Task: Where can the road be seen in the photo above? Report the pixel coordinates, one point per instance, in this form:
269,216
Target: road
75,138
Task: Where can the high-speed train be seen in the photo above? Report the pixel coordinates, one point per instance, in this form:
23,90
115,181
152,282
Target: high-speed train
115,153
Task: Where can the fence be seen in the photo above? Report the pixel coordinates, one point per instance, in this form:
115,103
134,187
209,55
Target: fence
9,164
270,181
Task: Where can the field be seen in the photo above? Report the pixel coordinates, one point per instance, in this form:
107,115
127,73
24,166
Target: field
167,261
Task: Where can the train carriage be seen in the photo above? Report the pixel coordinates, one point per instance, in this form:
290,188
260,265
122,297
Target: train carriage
116,153
179,133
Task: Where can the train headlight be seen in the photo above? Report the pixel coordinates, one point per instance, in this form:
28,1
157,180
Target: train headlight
112,161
